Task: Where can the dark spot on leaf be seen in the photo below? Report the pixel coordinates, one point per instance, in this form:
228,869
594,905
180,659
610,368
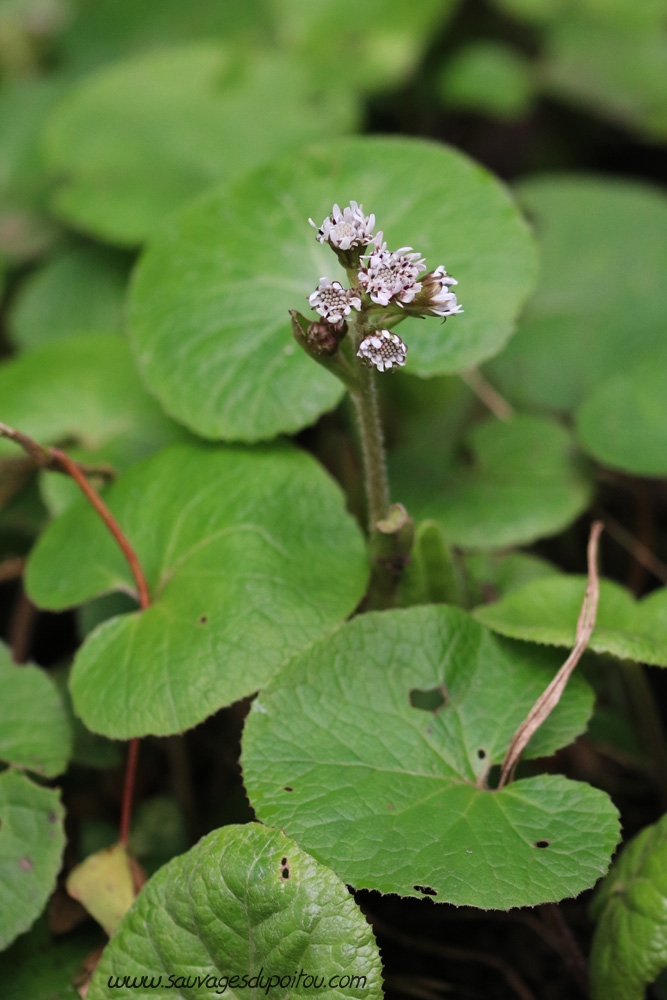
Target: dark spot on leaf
390,806
203,619
428,730
51,817
541,843
481,754
284,867
425,890
429,701
25,864
285,872
287,788
283,861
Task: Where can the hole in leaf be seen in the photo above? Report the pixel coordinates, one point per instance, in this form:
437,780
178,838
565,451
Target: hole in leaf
429,701
203,619
425,890
283,861
541,843
285,872
288,789
481,753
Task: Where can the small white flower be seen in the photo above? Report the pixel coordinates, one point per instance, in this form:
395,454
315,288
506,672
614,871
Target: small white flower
391,275
382,349
441,301
347,229
332,301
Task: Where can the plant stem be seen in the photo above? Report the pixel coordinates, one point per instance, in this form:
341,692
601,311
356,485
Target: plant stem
128,790
649,725
372,448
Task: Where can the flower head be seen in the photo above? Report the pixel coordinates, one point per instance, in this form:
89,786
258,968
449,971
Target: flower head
348,229
332,301
382,349
391,275
436,298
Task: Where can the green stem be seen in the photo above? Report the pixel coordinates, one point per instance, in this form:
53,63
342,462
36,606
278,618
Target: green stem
372,448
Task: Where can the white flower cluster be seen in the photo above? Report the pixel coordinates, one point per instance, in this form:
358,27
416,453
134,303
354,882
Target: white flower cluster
347,229
332,301
441,301
382,349
391,275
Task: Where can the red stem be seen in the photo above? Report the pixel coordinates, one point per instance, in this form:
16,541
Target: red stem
128,790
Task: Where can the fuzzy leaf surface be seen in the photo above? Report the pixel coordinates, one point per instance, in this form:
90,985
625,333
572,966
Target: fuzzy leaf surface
546,611
32,839
34,727
217,349
245,901
393,796
139,138
630,943
619,230
240,570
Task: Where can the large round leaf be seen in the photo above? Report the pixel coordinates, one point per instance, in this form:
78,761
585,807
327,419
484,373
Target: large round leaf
521,481
139,138
34,727
246,902
381,772
31,846
602,296
547,610
249,556
623,423
209,311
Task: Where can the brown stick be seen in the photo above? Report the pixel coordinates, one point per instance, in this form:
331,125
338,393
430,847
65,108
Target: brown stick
488,395
638,549
548,700
45,458
11,569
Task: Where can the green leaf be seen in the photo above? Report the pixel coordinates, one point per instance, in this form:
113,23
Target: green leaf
487,77
622,423
88,748
246,901
524,481
491,575
630,943
136,140
599,238
34,728
249,557
82,389
41,969
392,796
217,349
31,846
547,610
79,291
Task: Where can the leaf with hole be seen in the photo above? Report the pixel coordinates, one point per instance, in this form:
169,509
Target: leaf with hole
34,728
546,611
31,846
385,782
217,349
240,571
244,902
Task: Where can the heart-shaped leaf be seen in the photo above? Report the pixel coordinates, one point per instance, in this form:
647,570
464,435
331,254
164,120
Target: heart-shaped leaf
31,846
217,349
34,728
546,611
381,773
599,238
245,909
133,142
630,944
524,481
622,423
249,557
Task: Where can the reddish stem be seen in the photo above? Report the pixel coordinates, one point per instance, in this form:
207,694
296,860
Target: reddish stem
128,790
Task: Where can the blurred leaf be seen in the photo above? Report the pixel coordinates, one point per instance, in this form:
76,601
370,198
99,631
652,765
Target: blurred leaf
547,611
623,422
491,575
523,481
104,884
78,291
217,349
241,572
630,943
260,902
399,802
158,832
88,748
31,846
133,142
489,78
34,729
38,968
602,298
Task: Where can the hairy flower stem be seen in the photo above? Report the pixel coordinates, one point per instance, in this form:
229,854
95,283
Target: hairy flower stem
372,448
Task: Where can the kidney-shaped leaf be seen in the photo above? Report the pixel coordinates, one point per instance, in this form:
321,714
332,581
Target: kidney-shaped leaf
546,611
34,728
246,902
31,845
249,556
209,311
139,138
380,773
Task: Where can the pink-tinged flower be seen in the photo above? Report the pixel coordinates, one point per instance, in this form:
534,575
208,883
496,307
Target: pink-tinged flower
332,301
391,276
436,297
383,349
348,229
